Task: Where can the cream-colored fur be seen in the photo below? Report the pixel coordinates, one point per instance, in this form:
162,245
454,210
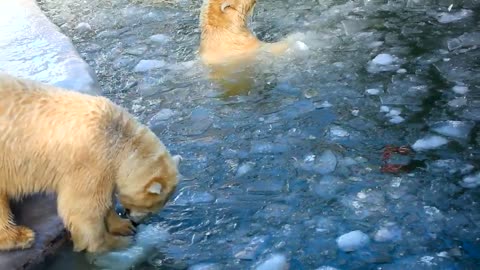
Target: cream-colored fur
85,149
229,48
225,36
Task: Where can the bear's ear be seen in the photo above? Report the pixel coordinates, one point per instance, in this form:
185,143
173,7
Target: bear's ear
155,188
177,159
225,4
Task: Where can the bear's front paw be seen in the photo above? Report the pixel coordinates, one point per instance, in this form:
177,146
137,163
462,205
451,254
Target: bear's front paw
122,227
117,242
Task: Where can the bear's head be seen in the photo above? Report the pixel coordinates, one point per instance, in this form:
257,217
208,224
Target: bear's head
226,13
147,176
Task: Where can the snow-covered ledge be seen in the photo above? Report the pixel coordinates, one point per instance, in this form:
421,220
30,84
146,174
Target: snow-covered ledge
33,47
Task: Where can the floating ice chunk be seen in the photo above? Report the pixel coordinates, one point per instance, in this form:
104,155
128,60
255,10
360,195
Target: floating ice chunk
384,109
465,40
322,105
375,44
324,164
337,131
83,27
448,17
388,232
401,71
206,266
253,248
372,91
146,65
274,262
396,119
160,38
471,181
268,148
326,267
245,168
383,59
394,112
458,102
148,237
429,142
457,129
301,46
188,196
460,89
328,186
162,115
352,241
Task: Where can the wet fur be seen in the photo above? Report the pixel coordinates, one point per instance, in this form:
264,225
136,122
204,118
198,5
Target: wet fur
85,149
228,47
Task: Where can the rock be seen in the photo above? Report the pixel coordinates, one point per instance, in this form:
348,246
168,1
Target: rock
352,241
147,65
50,233
32,47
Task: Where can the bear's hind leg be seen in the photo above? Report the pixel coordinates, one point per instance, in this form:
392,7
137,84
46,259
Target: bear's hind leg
12,236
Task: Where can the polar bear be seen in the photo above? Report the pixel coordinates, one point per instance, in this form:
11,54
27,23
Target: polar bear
85,149
230,50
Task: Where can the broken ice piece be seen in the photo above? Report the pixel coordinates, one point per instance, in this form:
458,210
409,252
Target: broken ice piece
457,129
352,241
449,17
429,142
471,181
146,240
397,119
460,89
373,91
383,59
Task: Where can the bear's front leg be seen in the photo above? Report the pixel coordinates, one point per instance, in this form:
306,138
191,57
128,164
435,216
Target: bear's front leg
12,236
117,225
84,215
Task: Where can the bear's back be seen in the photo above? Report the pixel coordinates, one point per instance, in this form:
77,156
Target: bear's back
48,131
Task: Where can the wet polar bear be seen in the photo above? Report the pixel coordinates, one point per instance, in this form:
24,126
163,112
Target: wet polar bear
85,149
230,49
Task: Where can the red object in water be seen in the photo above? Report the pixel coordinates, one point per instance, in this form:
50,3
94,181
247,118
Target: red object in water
387,154
391,168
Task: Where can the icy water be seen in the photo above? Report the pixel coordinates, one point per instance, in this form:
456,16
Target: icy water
290,173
